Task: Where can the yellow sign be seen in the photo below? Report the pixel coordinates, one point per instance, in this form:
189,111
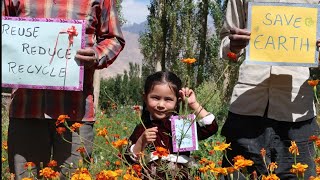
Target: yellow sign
283,34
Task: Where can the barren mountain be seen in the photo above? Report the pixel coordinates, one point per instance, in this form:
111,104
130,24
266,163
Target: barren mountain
130,53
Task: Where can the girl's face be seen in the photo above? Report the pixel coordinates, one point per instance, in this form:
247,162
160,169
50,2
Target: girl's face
161,101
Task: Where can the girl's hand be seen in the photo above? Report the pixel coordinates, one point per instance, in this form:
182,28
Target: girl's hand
192,100
149,135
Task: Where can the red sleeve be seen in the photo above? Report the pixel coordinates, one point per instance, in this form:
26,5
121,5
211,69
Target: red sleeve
110,41
8,8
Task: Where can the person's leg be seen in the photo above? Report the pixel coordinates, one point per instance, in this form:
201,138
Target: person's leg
299,132
66,154
28,141
247,135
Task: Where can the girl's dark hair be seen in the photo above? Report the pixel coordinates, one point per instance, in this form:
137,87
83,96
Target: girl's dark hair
160,77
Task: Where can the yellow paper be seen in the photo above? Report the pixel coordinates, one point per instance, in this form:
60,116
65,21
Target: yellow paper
283,34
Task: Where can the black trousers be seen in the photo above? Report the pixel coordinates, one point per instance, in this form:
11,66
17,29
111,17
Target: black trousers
36,140
249,134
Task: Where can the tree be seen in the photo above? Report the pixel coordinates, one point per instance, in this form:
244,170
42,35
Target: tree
203,17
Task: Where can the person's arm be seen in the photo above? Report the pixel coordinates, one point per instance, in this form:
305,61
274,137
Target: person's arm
206,125
148,136
234,37
193,104
110,41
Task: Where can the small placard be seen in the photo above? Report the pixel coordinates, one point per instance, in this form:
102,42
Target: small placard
283,34
38,53
184,133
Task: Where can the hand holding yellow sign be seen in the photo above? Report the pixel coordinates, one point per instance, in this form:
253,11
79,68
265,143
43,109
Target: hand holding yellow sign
284,34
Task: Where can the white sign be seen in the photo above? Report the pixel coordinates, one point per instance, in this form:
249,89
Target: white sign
38,53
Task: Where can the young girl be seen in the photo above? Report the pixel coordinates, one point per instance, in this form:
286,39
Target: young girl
162,94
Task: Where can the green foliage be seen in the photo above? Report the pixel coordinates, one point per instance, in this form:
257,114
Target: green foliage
122,89
174,32
119,11
4,133
210,96
119,126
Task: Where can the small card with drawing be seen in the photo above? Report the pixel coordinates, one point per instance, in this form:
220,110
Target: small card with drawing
184,133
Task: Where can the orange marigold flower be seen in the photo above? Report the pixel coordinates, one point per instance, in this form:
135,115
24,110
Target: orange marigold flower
61,119
293,149
318,170
223,146
29,164
197,178
272,166
219,163
241,162
263,152
3,159
313,82
52,163
239,157
160,151
27,178
317,160
75,126
81,174
60,130
270,177
130,177
118,163
5,145
107,175
107,163
119,171
232,56
203,169
102,132
313,138
189,60
314,178
211,152
220,170
203,161
48,173
81,150
299,169
230,170
116,136
137,169
119,143
318,143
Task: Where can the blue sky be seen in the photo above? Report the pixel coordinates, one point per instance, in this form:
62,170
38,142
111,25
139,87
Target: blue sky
135,11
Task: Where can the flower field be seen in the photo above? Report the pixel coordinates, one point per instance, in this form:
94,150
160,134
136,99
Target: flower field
112,130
